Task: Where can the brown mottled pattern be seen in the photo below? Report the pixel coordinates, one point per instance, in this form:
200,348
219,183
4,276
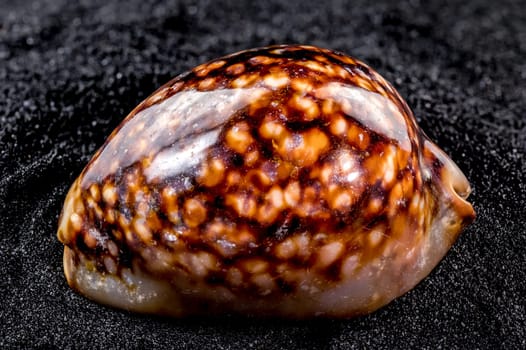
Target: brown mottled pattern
256,167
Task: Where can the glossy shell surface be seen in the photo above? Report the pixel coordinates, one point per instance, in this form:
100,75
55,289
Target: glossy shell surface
287,181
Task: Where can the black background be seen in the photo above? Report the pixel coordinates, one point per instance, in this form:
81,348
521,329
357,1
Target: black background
70,71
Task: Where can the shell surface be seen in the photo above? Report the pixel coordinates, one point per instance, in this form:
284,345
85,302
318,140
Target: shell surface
285,181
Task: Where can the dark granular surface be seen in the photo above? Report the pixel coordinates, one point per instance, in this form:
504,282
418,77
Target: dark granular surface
70,71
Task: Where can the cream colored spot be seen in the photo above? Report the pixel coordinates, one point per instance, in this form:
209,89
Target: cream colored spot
241,236
255,266
313,65
276,80
376,236
389,167
142,230
341,199
236,69
76,222
258,176
381,166
95,208
270,129
169,198
212,172
109,215
375,205
142,203
109,194
206,68
307,106
310,204
244,204
238,137
94,192
302,85
78,205
326,173
329,107
171,238
194,212
123,221
338,125
358,137
199,265
329,253
225,248
286,249
234,276
395,197
414,206
245,80
303,244
216,64
251,158
176,87
91,238
233,178
207,260
257,60
110,265
291,274
264,282
275,197
304,149
292,194
350,266
112,248
207,84
274,202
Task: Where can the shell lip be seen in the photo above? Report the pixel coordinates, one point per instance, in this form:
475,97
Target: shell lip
454,184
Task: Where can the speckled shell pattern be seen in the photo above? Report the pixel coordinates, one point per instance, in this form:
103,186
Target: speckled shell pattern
284,181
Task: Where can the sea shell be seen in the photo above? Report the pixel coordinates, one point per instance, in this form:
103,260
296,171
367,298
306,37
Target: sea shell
287,181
